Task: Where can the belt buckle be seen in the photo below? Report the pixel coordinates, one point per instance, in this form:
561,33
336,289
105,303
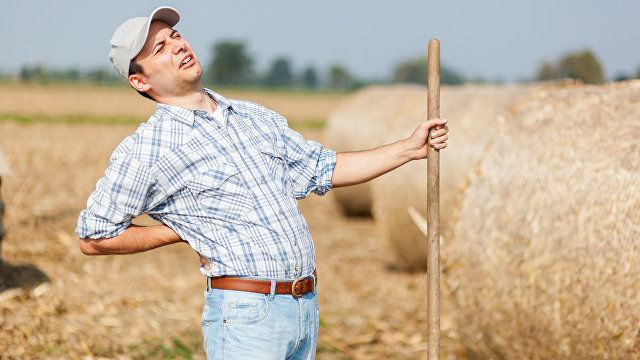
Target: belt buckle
293,288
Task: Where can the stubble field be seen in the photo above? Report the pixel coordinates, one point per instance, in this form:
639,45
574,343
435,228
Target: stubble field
56,303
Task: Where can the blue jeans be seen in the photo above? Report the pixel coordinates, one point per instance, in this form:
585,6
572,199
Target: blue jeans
245,325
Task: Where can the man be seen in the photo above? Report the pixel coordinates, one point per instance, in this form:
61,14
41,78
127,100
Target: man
224,176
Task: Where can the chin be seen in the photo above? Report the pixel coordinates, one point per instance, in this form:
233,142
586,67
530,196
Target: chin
197,77
196,70
191,75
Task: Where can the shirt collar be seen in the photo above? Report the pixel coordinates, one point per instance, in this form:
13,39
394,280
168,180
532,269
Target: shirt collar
187,116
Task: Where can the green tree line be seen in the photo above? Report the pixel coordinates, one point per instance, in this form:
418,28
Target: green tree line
43,74
233,65
581,65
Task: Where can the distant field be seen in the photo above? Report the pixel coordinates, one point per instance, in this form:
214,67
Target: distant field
119,104
56,303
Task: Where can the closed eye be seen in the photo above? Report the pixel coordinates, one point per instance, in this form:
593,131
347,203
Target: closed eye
159,46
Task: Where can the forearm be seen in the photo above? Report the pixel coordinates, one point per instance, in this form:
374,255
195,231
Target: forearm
362,166
358,167
133,240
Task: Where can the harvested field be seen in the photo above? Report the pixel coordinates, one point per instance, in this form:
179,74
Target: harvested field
544,261
4,166
115,104
57,303
540,252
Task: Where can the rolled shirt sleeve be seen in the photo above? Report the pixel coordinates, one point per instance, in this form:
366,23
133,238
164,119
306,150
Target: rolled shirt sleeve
126,191
310,164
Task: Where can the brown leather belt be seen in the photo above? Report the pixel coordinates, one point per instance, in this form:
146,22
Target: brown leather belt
296,288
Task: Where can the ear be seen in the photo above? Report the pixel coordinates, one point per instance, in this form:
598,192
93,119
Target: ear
139,82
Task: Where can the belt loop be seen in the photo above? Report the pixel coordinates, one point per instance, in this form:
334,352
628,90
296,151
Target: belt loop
209,284
272,293
315,283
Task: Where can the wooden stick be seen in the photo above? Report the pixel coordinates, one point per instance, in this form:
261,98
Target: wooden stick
433,207
418,219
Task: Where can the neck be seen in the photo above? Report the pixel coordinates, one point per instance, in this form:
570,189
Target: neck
195,100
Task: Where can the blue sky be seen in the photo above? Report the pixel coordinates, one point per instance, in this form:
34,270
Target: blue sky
492,39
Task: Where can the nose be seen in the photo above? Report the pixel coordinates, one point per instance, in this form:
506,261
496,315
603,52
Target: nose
178,45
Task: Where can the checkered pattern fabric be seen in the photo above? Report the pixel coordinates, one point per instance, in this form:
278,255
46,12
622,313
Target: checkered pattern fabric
228,188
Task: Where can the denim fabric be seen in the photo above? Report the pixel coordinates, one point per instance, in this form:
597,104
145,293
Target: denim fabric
245,325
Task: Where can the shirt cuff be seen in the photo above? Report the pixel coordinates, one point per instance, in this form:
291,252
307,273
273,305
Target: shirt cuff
94,227
326,164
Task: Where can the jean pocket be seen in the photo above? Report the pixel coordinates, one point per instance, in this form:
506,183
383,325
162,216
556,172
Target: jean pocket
222,192
245,308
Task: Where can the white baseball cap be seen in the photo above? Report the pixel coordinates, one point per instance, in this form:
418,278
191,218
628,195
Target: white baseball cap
129,38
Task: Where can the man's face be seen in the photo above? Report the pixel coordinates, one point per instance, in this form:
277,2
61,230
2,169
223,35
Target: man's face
170,66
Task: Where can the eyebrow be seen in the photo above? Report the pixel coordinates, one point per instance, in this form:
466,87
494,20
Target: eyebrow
161,42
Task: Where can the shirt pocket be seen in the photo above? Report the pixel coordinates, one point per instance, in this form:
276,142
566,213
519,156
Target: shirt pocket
274,158
221,193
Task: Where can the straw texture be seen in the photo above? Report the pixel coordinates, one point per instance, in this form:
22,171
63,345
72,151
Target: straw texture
545,259
473,112
4,166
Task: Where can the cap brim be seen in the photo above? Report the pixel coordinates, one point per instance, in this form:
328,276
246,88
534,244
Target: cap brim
165,14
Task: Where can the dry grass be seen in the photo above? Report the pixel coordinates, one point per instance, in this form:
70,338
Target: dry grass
85,102
298,108
62,100
4,166
149,305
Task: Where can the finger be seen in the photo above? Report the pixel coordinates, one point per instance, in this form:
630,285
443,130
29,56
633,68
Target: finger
440,146
204,262
438,133
439,139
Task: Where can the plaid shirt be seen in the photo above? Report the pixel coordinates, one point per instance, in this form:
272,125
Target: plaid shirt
228,189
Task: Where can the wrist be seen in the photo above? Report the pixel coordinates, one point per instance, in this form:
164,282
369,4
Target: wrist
406,150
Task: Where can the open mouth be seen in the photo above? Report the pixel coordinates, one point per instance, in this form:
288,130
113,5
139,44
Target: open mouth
186,62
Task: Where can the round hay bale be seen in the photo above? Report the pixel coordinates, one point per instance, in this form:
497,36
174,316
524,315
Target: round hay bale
545,260
358,124
473,111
